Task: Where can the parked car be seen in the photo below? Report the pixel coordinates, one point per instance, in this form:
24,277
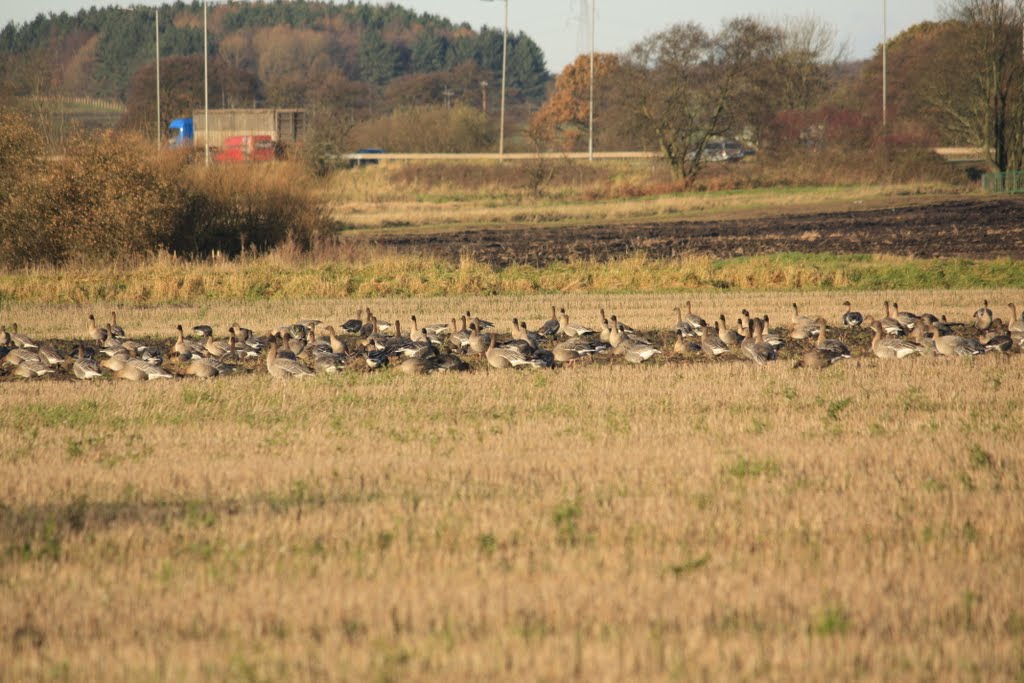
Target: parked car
725,150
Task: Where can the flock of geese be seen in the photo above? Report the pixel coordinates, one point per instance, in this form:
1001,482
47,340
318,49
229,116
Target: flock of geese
308,347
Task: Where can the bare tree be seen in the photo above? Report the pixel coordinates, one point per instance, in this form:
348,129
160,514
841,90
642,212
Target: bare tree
978,93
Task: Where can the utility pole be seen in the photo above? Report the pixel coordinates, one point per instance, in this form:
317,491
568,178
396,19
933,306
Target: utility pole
593,24
885,66
447,92
504,62
483,89
206,88
159,125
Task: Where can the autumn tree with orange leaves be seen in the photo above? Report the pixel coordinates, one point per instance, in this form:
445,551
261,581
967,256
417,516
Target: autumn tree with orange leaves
564,118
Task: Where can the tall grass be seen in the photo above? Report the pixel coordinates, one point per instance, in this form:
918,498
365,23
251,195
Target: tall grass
347,270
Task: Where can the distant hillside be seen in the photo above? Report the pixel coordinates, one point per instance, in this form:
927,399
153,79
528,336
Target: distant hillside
273,53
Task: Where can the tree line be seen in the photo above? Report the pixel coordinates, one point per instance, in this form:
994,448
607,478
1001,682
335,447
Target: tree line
385,76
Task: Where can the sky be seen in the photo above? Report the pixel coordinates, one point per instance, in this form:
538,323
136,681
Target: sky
557,27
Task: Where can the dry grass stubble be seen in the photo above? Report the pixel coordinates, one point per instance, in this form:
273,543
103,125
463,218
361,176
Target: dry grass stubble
611,523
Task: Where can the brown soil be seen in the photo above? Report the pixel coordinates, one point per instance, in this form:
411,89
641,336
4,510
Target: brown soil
971,228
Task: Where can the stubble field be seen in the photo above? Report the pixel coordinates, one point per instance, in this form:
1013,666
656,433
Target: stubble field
680,520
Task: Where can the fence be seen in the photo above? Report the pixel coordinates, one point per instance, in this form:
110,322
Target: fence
1010,182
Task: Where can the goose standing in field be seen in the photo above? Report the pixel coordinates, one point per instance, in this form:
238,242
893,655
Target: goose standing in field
353,325
891,325
818,359
731,337
683,326
890,347
282,368
19,355
186,348
851,318
115,329
550,328
998,343
803,327
205,368
95,332
696,322
684,345
479,343
983,317
459,338
1016,323
711,343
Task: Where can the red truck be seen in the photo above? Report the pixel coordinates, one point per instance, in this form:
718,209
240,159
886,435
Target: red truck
242,148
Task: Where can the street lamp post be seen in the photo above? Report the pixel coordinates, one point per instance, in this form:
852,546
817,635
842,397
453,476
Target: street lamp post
504,62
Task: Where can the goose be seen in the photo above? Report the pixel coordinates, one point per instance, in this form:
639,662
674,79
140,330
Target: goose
802,320
205,368
638,353
583,345
683,345
695,320
891,325
353,325
243,334
730,336
337,345
505,356
459,336
831,345
682,326
369,327
417,366
478,343
376,359
804,327
572,329
202,331
773,339
153,371
532,337
480,324
115,329
328,362
95,332
818,359
1000,343
132,373
605,333
907,319
446,362
551,327
1016,322
566,355
711,343
186,347
20,355
115,363
955,345
983,316
5,336
50,355
217,348
85,368
890,347
851,318
763,349
32,368
282,368
21,340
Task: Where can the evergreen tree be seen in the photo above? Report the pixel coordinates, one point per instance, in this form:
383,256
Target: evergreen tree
379,60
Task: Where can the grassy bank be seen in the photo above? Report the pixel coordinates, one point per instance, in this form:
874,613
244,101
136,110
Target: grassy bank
350,274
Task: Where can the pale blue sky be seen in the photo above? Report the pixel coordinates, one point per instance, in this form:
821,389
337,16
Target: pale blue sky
555,24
